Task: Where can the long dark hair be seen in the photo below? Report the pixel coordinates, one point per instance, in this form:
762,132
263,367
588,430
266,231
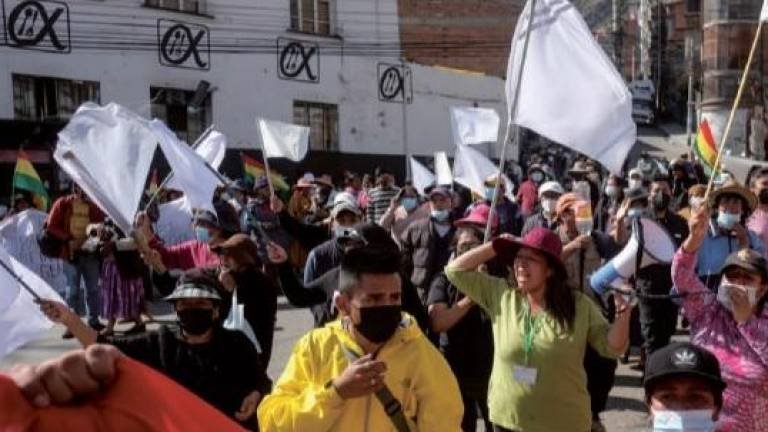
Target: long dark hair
560,298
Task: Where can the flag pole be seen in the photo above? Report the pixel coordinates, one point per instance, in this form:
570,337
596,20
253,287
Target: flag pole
512,114
736,102
168,178
266,167
20,281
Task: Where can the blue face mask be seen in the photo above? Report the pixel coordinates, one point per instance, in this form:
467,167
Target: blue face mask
409,203
440,215
728,220
683,421
202,234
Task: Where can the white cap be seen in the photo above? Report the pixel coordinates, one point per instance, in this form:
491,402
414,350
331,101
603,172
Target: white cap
636,171
551,186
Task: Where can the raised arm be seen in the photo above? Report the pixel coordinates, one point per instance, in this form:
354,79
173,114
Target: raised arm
697,300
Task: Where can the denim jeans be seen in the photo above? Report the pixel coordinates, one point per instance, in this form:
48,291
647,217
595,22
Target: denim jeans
84,268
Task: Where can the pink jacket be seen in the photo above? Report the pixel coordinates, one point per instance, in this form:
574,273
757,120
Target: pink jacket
187,255
742,349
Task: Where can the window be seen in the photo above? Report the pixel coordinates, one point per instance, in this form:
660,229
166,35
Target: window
191,6
175,108
323,122
45,98
311,16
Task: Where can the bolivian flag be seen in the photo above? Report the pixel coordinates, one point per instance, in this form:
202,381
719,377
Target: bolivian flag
25,177
705,147
255,169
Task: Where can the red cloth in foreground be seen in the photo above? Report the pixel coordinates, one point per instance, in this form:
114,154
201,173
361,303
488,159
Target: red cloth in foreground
140,399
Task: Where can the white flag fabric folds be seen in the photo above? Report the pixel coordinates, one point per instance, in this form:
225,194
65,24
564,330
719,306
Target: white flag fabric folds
212,149
422,177
474,125
570,91
471,168
174,224
283,140
192,175
20,318
443,173
18,236
107,151
764,11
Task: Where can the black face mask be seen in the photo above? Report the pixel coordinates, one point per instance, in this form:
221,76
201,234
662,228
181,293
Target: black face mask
661,202
195,321
378,323
763,196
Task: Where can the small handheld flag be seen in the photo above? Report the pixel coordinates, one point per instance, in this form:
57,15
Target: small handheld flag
25,177
705,147
254,169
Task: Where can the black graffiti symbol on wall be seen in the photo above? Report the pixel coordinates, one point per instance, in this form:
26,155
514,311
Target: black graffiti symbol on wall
394,83
298,60
37,24
184,44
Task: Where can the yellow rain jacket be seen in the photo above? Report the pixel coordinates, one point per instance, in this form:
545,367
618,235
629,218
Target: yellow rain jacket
418,376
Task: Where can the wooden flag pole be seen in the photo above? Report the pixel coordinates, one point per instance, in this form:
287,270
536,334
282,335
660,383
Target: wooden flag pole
512,114
21,281
732,115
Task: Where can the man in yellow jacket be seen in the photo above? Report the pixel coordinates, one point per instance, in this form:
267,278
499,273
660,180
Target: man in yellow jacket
341,377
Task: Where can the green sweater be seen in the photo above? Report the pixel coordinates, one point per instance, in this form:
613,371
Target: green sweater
558,401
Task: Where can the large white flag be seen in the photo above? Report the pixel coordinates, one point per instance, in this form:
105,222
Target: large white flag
474,125
212,149
422,178
764,11
191,172
20,318
443,173
283,140
570,91
107,151
471,168
174,225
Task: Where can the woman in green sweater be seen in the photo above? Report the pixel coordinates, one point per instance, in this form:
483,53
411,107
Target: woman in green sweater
541,328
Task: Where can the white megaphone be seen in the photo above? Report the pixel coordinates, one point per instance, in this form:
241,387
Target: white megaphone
650,244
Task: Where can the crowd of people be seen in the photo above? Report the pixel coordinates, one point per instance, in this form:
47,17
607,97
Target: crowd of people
420,323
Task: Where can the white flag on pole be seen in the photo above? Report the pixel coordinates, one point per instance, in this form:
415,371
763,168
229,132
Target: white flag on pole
471,168
20,318
212,149
764,11
107,151
193,177
422,177
474,125
570,91
443,173
283,140
174,224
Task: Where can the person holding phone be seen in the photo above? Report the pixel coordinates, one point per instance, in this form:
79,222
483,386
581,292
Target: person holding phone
405,208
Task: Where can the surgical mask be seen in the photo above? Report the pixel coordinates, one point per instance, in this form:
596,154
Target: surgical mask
661,201
195,321
343,232
548,205
537,177
696,202
440,215
683,421
635,183
724,289
202,234
379,323
612,191
489,192
728,220
409,203
635,212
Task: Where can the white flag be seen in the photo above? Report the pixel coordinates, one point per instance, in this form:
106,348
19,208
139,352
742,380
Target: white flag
192,174
422,178
283,140
471,168
474,125
107,151
174,224
764,11
443,173
20,318
570,91
212,149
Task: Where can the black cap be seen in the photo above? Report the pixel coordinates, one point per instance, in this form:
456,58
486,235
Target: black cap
748,260
683,359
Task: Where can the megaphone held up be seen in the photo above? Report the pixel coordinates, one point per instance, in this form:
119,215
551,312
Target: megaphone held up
650,244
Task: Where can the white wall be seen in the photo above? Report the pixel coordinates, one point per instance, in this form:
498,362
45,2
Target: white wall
248,84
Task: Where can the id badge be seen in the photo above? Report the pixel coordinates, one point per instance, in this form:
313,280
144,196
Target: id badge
525,375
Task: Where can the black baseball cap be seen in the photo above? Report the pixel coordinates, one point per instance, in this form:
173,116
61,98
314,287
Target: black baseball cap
683,359
748,260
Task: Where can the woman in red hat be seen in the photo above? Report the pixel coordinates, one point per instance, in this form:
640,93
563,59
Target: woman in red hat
541,329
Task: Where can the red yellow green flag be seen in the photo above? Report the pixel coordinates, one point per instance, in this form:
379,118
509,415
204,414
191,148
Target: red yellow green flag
255,169
705,147
25,178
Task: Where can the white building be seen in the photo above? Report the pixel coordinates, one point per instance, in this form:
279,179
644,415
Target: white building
331,64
